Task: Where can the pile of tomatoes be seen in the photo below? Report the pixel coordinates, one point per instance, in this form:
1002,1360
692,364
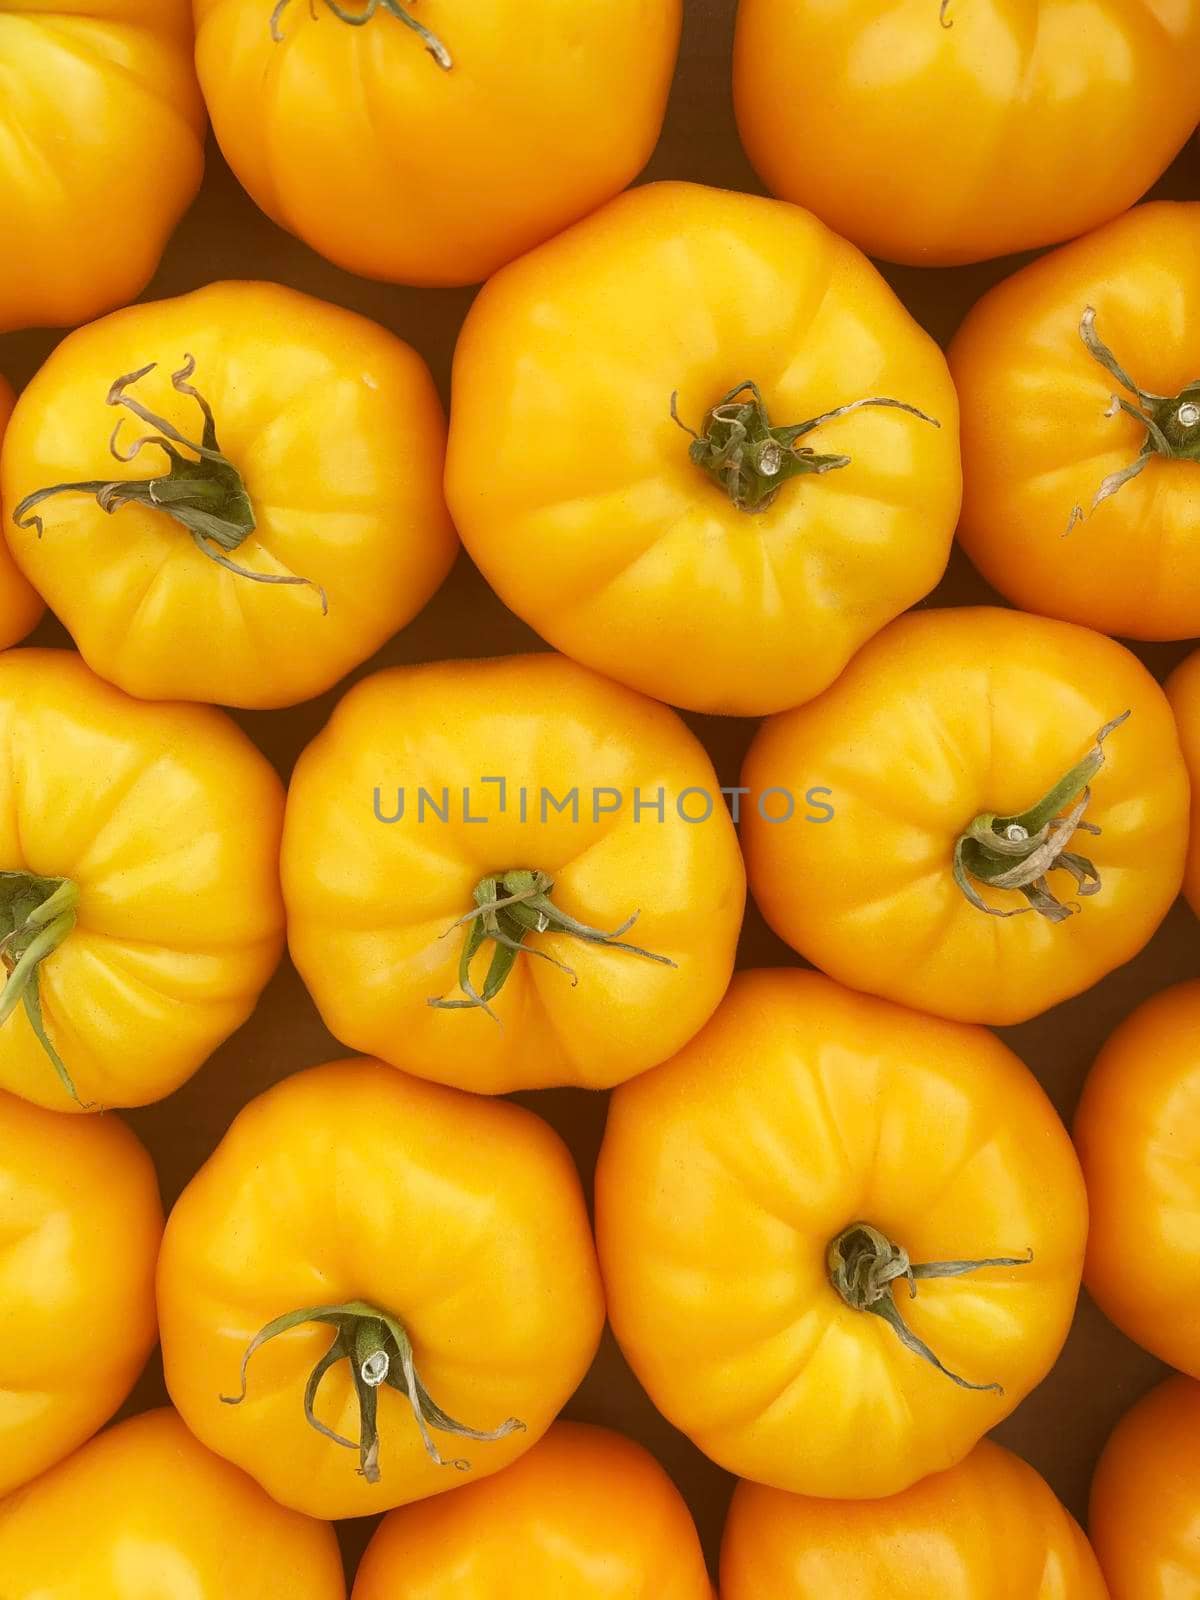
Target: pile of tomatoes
699,446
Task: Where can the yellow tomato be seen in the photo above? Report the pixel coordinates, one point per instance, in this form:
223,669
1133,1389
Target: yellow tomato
20,605
1145,1510
139,890
586,1515
1003,834
80,1224
988,1529
257,570
762,1199
146,1513
1138,1134
942,131
449,814
1183,691
1074,505
101,152
694,570
377,1247
430,143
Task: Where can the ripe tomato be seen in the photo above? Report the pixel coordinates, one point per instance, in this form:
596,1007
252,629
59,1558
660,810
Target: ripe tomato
80,1224
985,768
559,984
368,1234
1080,388
693,570
585,1514
144,1512
431,143
20,605
255,571
139,891
988,1529
1145,1510
938,139
761,1199
1183,691
1138,1134
101,152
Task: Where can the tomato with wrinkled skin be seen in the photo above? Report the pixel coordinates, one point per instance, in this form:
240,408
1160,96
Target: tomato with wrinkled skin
949,729
354,1189
1042,435
328,423
101,152
140,843
144,1512
1138,1134
400,164
680,567
20,604
987,1529
937,132
1144,1517
586,1515
378,879
80,1225
808,1134
1183,691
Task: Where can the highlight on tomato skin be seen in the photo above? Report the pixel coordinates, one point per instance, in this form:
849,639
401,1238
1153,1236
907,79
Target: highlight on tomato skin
586,1513
430,144
146,1505
1145,1496
1183,691
21,606
987,1529
101,152
951,131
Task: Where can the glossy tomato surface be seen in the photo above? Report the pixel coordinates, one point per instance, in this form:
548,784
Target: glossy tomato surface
954,132
727,1175
1183,691
20,605
576,490
101,151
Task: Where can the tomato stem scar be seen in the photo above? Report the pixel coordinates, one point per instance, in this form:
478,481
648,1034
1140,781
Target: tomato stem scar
508,907
206,496
1017,852
36,915
1172,422
749,459
359,19
379,1353
864,1267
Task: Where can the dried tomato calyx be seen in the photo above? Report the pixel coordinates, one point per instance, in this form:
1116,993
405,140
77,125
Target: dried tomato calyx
36,915
751,460
360,18
864,1266
379,1352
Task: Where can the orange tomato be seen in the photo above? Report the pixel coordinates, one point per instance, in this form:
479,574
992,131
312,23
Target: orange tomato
144,1512
988,1529
586,1515
80,1225
1080,388
431,143
139,885
1144,1517
694,570
358,1236
1138,1134
101,152
626,918
309,529
1183,691
20,604
943,131
985,783
762,1199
